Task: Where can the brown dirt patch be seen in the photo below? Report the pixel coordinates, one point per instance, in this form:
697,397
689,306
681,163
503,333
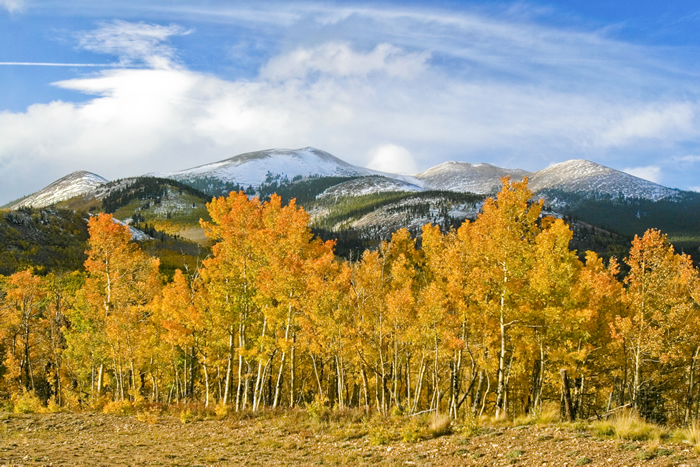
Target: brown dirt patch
292,439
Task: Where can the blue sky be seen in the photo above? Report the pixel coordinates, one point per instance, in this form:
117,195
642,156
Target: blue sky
125,89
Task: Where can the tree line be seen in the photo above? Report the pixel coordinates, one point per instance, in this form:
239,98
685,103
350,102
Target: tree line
495,317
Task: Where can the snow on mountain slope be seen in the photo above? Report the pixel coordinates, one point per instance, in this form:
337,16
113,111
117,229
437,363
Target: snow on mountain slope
368,185
136,234
252,168
575,176
466,177
586,177
579,177
412,212
74,184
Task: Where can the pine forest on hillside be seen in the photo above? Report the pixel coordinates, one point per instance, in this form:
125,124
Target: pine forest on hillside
498,316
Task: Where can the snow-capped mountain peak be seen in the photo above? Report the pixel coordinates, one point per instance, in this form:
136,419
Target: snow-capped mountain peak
74,184
583,176
253,168
462,176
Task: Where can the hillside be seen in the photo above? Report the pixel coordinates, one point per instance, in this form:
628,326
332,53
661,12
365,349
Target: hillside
148,203
55,240
50,239
679,216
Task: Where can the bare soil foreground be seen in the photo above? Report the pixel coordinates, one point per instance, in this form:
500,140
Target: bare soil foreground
292,438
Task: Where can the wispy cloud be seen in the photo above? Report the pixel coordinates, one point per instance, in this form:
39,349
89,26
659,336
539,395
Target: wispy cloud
339,59
13,5
134,43
688,158
657,121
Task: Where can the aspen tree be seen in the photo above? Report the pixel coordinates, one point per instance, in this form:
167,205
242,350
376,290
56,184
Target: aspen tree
20,330
230,278
504,234
660,307
555,271
121,282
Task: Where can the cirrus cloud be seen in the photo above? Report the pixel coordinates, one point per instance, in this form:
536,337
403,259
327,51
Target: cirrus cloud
339,59
134,43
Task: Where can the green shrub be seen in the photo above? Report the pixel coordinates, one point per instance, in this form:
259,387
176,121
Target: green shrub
27,402
514,454
318,410
186,416
379,436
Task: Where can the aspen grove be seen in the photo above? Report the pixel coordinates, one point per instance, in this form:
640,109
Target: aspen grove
496,317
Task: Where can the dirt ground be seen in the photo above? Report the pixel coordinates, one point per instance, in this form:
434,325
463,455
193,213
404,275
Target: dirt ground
99,439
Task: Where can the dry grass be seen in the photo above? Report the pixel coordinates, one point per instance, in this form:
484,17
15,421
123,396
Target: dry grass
689,435
628,425
547,413
440,425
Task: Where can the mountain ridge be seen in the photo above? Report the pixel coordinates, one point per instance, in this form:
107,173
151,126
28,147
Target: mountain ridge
275,167
359,207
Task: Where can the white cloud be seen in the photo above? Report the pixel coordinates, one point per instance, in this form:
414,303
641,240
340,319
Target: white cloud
393,159
689,158
694,188
659,121
436,86
340,59
13,5
133,43
651,173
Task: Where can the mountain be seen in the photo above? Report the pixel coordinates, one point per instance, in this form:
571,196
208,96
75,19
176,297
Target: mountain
466,177
576,177
318,173
148,203
72,185
585,177
257,168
